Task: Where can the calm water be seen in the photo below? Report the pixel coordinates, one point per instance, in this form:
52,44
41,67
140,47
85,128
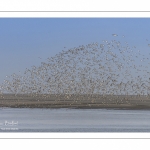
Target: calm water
73,120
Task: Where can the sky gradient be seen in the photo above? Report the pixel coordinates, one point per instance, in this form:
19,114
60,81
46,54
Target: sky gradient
25,42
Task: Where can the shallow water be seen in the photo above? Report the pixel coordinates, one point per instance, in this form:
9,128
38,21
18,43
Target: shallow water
73,120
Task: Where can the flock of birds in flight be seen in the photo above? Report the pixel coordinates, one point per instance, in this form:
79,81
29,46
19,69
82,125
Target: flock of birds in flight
109,68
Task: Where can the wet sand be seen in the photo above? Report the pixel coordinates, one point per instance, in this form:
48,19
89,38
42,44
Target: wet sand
75,101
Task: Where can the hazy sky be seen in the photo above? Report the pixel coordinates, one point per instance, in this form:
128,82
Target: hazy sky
24,40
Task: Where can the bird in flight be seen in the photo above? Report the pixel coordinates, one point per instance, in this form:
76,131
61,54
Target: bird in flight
114,35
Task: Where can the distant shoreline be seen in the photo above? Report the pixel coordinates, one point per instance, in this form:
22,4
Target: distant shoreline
132,102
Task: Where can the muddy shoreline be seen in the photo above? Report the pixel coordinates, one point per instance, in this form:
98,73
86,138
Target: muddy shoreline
75,101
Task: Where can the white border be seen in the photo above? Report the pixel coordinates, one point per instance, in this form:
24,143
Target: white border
74,14
74,5
66,144
75,135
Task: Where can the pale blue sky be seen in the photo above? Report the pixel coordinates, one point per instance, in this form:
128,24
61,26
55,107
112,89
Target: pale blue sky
24,40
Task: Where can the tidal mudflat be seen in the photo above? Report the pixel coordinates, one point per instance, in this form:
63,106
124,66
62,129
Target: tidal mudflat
75,101
73,120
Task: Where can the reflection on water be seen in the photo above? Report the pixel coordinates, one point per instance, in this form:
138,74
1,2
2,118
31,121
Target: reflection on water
73,120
